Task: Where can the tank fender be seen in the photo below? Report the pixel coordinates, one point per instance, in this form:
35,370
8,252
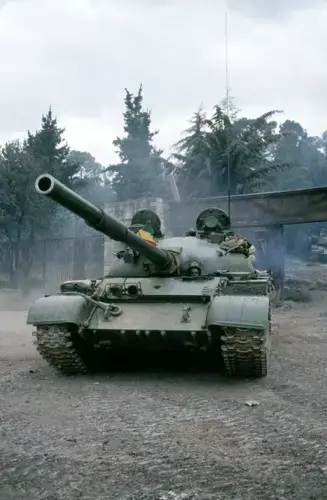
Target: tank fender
56,309
241,312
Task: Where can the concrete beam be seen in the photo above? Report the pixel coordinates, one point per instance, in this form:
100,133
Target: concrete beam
257,210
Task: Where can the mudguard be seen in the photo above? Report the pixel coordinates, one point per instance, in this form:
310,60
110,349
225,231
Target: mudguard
57,309
241,312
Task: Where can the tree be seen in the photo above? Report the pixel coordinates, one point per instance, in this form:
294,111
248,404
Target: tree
25,215
305,154
50,150
223,146
93,183
140,170
194,157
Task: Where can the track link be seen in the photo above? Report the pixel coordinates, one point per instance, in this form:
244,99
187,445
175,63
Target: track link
56,346
246,354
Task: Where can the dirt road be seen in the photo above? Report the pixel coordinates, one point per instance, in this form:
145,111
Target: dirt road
167,437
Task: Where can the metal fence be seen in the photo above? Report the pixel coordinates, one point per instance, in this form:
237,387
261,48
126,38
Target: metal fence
46,263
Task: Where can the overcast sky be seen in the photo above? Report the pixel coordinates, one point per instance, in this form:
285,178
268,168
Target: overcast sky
79,55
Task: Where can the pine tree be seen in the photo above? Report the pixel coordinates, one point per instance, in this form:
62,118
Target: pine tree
140,170
48,147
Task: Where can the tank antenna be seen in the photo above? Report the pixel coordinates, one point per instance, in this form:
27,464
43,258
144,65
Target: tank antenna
227,111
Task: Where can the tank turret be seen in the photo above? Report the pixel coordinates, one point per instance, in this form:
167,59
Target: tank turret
103,222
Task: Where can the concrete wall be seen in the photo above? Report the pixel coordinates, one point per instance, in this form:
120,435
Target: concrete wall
257,209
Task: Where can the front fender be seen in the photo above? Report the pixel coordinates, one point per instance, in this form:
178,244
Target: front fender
241,312
56,309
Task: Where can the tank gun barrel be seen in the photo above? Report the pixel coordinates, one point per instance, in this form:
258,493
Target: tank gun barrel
99,220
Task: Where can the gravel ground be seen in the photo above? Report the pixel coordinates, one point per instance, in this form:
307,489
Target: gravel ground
167,436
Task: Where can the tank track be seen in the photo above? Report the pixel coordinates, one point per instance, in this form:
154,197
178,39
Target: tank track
245,354
54,343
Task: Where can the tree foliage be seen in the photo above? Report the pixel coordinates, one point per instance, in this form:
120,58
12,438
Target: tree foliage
306,155
90,180
225,152
140,170
24,215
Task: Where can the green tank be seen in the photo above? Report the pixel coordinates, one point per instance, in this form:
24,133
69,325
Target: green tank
197,292
319,248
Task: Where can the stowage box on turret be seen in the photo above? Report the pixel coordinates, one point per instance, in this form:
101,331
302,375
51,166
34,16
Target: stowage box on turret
199,291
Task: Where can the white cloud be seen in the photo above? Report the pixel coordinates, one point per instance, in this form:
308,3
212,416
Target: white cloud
79,55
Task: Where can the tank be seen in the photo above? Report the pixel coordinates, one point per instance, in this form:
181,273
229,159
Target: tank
198,292
319,248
